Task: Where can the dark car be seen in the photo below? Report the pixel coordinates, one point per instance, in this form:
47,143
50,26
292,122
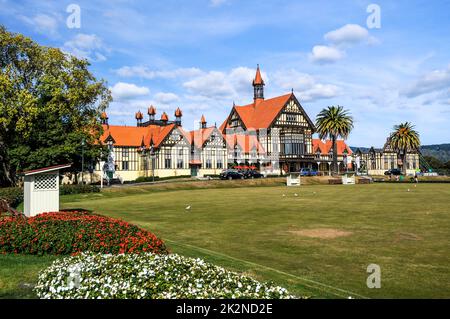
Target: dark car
253,174
393,171
308,172
231,174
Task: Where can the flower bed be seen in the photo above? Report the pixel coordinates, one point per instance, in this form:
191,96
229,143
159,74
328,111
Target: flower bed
74,232
147,275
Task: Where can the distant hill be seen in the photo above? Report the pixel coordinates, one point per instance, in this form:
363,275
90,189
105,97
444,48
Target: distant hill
439,151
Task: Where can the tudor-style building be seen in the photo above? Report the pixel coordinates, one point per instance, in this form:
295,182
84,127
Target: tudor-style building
274,135
376,161
281,126
160,148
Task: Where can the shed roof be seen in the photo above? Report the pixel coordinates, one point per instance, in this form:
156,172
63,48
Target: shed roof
46,169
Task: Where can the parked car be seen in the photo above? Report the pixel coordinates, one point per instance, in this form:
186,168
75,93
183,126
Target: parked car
393,171
308,172
231,174
253,174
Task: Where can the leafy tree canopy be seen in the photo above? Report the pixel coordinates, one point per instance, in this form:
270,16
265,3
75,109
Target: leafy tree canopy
49,103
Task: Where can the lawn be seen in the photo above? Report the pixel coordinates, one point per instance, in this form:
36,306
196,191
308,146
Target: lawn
318,243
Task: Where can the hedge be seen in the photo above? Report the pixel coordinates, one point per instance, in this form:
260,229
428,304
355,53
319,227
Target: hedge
78,189
144,179
64,233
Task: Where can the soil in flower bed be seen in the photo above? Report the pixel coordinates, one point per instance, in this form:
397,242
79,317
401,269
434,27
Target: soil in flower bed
63,233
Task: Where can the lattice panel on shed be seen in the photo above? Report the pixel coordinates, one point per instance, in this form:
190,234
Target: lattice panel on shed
45,182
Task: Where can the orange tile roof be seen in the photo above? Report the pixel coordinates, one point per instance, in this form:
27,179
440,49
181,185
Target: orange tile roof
199,137
326,147
262,114
136,136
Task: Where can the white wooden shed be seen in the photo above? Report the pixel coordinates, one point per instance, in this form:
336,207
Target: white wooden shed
41,190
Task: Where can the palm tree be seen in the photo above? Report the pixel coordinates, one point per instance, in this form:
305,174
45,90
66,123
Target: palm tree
404,139
334,122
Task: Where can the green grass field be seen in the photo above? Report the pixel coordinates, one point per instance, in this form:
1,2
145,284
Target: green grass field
317,244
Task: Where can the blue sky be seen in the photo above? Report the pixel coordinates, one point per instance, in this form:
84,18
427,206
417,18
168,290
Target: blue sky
201,56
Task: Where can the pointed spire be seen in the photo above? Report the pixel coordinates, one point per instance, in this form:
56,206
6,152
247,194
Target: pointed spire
258,87
164,117
139,115
104,118
178,113
151,110
203,122
258,78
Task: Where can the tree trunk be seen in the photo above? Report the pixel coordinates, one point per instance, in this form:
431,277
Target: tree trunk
335,163
6,177
404,162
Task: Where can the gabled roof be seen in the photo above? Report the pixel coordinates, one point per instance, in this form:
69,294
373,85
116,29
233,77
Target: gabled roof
326,147
133,136
200,136
246,142
263,113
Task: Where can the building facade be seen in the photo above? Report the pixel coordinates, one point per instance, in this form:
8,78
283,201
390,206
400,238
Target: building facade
273,135
376,161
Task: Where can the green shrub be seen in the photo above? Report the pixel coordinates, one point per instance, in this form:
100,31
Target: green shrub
78,189
12,195
147,276
143,179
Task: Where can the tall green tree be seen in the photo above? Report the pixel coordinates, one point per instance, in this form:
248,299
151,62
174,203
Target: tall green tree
404,139
332,123
49,103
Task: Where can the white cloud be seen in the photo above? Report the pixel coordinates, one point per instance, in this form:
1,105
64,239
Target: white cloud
86,46
339,40
306,85
166,98
126,91
217,84
326,54
42,23
434,81
146,73
348,34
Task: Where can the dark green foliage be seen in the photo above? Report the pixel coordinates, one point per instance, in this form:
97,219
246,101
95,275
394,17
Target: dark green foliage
49,104
78,189
13,195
